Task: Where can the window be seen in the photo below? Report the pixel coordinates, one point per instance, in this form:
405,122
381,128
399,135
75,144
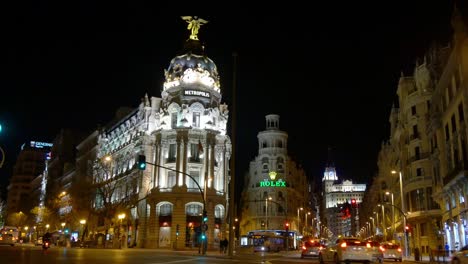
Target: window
195,152
165,210
174,120
171,178
417,153
413,110
196,119
190,183
415,131
194,209
454,123
461,114
172,153
419,172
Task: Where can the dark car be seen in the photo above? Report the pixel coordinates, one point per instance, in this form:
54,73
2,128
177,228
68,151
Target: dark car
311,249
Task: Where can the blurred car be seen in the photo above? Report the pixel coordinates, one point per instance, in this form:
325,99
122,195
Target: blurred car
461,256
377,249
349,249
391,251
38,241
311,248
7,239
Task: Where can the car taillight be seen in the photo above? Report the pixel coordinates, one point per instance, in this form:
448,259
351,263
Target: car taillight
304,248
320,248
399,249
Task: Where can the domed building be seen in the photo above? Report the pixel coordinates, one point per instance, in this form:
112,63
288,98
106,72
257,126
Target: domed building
183,138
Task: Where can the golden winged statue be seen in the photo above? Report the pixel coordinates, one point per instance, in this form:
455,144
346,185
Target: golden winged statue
194,24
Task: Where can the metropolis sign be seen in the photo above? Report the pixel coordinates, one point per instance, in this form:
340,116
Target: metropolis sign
197,93
268,183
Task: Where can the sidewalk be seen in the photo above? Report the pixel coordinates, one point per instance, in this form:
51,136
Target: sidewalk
427,259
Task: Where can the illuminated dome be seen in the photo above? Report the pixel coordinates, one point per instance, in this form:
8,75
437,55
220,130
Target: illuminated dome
191,68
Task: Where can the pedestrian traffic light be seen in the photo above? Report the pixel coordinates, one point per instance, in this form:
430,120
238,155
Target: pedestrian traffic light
141,162
205,216
177,230
203,237
286,227
353,203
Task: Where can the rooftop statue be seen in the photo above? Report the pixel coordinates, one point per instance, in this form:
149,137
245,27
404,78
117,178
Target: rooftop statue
194,24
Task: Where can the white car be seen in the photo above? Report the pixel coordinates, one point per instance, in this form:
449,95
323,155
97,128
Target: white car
349,249
461,256
392,251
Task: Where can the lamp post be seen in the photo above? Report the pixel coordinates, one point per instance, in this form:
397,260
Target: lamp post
393,212
384,226
266,212
299,219
372,226
82,222
403,211
308,213
121,217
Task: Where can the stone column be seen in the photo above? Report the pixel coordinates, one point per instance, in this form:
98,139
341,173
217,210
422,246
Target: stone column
178,218
152,239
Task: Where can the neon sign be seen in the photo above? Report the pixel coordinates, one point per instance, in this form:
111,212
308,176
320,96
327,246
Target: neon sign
37,144
197,93
267,183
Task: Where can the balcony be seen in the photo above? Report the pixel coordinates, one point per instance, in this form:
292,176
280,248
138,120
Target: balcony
421,156
460,168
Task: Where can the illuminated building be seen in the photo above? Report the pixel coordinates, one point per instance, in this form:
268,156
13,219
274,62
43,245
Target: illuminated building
183,133
276,186
335,197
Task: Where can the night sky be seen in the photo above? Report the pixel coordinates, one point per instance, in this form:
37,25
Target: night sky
329,70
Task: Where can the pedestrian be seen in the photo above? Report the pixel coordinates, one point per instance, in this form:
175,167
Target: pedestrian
225,245
221,246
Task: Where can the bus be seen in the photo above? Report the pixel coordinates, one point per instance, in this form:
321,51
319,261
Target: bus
270,240
12,230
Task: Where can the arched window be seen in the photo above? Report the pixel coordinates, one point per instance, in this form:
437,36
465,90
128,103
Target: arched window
165,209
219,211
194,209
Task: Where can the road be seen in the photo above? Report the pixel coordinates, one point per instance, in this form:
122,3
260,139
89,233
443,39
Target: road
26,254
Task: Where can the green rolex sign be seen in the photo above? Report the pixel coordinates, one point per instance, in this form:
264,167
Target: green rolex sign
278,183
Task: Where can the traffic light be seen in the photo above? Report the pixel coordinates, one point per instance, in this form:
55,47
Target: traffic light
203,237
141,162
177,230
205,216
286,227
353,203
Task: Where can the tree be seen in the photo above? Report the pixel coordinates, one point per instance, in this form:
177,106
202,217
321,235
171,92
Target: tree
17,219
104,195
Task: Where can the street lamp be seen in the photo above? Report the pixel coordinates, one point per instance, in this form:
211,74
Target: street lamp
82,222
299,219
403,211
47,227
121,217
372,226
384,227
393,212
266,212
308,213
